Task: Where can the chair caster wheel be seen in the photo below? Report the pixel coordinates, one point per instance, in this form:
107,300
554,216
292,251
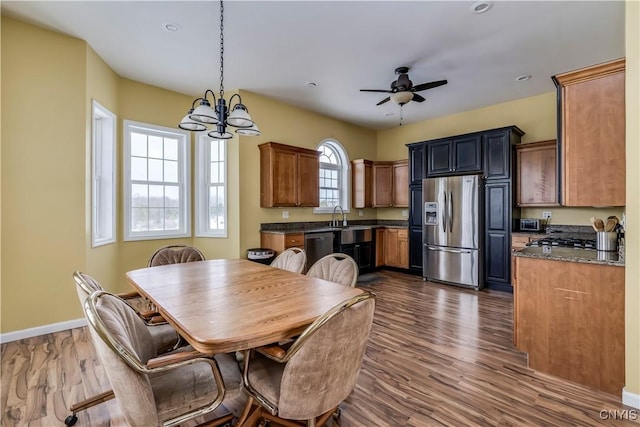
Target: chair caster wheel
337,413
71,420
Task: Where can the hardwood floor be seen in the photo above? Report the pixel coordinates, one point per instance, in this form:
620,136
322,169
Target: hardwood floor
437,356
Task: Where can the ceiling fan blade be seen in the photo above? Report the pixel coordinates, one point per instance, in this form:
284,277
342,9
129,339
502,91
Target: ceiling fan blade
375,90
417,98
383,101
430,85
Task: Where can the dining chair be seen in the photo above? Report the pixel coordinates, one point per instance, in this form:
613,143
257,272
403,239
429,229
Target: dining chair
292,259
305,384
163,335
153,389
338,268
175,254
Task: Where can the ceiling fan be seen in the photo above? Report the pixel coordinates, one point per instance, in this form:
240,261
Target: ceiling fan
402,90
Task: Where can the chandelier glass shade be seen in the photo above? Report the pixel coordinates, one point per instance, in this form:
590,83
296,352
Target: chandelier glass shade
219,117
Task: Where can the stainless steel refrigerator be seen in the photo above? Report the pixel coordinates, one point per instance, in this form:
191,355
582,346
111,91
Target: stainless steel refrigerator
451,230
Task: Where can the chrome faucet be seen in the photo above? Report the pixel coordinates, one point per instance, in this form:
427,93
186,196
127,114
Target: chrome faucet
334,221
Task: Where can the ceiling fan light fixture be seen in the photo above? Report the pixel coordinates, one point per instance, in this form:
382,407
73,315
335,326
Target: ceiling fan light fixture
401,98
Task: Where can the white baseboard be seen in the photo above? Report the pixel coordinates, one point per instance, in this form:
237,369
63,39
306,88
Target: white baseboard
42,330
630,399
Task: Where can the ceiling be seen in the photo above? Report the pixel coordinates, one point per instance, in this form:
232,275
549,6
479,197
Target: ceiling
276,48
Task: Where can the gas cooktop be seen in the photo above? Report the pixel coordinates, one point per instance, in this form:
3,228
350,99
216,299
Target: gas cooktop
564,242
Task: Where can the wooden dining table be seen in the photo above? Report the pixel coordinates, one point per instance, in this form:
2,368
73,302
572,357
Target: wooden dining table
227,305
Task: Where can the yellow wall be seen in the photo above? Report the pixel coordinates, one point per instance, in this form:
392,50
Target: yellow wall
632,233
43,174
101,85
288,125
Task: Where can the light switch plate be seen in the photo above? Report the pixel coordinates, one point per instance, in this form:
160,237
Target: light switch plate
405,213
285,214
360,212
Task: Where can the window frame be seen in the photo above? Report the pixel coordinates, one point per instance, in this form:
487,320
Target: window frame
103,157
203,183
344,177
184,184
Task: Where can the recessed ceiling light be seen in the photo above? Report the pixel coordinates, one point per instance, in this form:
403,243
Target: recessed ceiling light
523,78
173,27
481,6
312,84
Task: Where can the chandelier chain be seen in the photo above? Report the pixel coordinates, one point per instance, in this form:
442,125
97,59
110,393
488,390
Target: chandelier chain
221,50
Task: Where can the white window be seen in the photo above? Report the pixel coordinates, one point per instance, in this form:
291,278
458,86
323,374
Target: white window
103,173
211,187
156,182
334,177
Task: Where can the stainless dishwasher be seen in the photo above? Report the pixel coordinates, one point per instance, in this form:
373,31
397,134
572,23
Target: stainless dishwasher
317,245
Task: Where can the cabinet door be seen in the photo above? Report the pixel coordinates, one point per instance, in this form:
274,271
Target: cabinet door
364,252
308,180
403,248
401,184
536,178
391,247
382,185
361,183
497,155
593,135
498,232
415,210
415,250
467,154
439,156
285,165
417,163
380,249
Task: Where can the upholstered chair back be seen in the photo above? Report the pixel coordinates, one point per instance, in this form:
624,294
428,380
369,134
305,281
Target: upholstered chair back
323,372
125,331
292,259
175,254
337,268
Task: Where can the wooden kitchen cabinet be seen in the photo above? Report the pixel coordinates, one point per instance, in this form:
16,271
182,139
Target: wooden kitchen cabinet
569,318
382,184
536,179
390,184
401,183
454,156
380,242
362,183
289,176
279,241
396,247
592,134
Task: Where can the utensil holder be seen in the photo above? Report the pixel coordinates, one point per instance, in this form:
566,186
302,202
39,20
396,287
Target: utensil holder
607,241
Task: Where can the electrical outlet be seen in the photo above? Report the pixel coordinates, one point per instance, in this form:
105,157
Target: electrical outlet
360,212
405,213
285,214
546,215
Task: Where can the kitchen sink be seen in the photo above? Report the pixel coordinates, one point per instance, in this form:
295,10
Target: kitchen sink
355,234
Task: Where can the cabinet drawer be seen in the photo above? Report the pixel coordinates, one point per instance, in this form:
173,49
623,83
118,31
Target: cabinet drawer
291,240
403,233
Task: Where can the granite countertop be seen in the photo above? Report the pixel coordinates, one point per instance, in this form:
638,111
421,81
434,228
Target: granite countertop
588,256
321,227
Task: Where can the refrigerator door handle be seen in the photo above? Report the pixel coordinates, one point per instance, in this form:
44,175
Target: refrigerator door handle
444,214
455,251
450,214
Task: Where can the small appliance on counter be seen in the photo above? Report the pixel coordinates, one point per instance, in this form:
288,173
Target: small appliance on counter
530,224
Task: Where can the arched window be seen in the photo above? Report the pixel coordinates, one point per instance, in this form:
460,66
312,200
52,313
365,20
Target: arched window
334,177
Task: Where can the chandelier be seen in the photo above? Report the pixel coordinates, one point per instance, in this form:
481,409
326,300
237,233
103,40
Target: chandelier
199,118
